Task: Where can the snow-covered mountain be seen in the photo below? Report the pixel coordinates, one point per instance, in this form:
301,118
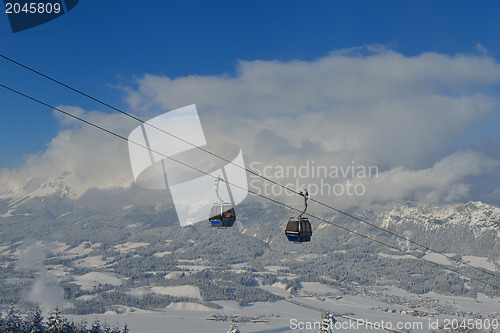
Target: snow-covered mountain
64,185
472,214
116,219
476,224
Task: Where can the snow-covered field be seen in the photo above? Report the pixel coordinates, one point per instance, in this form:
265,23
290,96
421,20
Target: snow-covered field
193,268
396,256
93,279
438,259
162,254
180,291
173,274
128,247
277,317
479,262
188,306
276,268
482,304
90,262
177,320
317,288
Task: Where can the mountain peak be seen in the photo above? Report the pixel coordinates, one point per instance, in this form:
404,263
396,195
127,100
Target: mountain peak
473,213
62,186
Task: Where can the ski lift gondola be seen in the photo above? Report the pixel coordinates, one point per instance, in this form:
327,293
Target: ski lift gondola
222,214
298,229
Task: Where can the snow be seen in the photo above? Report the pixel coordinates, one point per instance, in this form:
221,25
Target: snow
90,262
240,265
317,288
159,322
189,306
8,214
239,268
139,291
307,256
23,251
58,274
162,254
483,304
395,291
277,268
438,259
191,261
10,211
63,214
173,275
277,288
179,291
321,226
396,256
475,261
191,317
475,214
3,248
82,249
129,246
479,262
93,279
193,268
59,247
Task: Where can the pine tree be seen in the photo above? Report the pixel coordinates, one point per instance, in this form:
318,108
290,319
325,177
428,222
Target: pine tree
233,329
96,327
327,322
13,323
82,328
2,323
35,321
71,327
55,322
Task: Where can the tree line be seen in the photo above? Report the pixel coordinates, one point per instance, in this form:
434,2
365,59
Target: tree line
33,322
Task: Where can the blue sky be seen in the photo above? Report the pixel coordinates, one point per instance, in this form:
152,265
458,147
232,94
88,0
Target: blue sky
103,46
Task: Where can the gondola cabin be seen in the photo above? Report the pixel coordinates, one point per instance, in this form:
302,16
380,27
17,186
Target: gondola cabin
298,230
222,215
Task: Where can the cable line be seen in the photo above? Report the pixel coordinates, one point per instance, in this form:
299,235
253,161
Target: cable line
249,191
296,192
460,261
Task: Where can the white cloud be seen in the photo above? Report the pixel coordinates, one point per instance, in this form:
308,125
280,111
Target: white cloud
375,108
495,195
445,181
45,292
85,156
350,184
384,107
372,106
481,48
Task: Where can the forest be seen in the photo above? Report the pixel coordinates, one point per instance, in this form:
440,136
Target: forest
34,322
